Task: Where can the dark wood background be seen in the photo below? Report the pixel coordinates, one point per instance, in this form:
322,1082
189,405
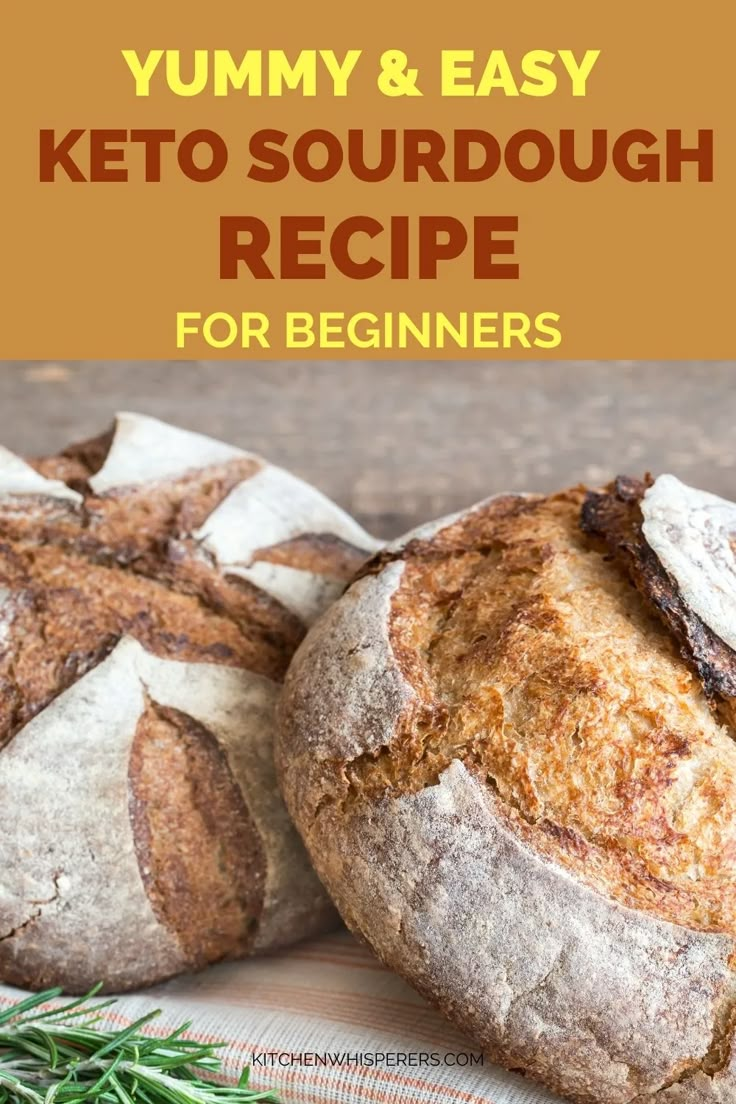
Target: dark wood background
399,442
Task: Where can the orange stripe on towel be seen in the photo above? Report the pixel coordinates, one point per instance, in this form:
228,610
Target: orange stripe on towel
307,1076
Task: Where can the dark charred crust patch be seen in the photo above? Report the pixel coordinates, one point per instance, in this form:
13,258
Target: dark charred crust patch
76,465
614,516
93,452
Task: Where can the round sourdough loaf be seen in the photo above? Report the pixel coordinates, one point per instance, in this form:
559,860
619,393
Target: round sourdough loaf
509,748
154,584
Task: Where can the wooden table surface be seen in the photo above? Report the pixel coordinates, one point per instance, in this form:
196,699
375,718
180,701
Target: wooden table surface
399,442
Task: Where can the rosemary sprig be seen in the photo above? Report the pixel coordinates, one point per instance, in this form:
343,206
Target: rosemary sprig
62,1056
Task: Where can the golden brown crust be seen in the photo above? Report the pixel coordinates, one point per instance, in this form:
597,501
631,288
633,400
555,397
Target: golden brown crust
75,593
118,552
315,552
128,524
537,665
526,802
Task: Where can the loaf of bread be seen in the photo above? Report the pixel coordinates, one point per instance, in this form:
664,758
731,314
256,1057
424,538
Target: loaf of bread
509,748
154,584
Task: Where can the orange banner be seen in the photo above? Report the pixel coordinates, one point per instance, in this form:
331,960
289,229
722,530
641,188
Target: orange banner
292,181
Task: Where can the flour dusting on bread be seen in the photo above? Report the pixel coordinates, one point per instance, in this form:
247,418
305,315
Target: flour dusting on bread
537,828
693,533
155,584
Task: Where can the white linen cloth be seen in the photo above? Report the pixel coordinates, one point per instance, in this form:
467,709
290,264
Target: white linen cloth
326,1000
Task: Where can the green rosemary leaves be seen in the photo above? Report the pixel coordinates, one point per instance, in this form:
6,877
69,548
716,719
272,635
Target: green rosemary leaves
63,1056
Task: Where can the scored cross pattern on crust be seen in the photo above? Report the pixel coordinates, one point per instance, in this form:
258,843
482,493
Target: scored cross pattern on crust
153,587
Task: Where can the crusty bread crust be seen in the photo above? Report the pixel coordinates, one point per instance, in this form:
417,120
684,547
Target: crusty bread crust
518,792
616,516
142,644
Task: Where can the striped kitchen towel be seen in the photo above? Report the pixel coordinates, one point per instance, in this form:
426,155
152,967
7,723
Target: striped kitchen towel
324,1023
